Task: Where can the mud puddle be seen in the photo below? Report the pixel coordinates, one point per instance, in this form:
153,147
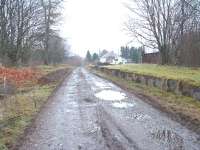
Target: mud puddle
88,100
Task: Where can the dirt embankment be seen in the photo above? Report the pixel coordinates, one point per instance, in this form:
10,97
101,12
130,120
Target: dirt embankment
180,108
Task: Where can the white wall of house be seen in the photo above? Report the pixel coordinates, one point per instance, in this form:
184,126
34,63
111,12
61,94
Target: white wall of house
112,59
102,60
119,60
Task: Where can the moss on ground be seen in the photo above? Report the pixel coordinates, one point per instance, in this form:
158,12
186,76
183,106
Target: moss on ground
181,106
189,75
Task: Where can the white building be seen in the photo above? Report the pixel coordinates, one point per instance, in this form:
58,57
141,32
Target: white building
112,58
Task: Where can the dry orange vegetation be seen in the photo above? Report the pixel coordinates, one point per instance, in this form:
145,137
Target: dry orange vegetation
19,76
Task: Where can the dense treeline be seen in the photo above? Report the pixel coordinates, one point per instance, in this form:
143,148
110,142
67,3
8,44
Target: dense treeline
26,27
171,26
132,53
92,57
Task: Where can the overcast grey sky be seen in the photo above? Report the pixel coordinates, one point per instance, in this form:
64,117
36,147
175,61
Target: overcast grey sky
94,25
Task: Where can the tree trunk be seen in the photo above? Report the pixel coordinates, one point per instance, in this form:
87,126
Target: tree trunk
47,15
179,48
164,54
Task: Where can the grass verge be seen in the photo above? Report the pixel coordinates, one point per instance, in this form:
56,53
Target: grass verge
189,75
18,111
180,108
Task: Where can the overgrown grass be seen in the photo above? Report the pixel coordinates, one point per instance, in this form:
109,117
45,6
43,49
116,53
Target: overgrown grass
175,104
189,75
50,68
17,111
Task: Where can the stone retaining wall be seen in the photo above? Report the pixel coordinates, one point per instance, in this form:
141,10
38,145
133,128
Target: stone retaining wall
170,85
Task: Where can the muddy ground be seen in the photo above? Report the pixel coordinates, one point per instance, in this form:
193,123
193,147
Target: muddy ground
90,113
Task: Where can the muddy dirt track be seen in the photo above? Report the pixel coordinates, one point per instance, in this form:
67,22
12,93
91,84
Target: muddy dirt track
90,113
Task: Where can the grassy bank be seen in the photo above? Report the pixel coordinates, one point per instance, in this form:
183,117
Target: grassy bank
184,109
17,111
189,75
51,68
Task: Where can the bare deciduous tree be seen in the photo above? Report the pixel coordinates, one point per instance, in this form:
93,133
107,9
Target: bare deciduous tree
50,14
155,24
162,24
25,25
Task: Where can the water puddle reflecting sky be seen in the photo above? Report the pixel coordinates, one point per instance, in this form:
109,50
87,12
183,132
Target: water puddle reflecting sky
110,95
123,105
100,84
